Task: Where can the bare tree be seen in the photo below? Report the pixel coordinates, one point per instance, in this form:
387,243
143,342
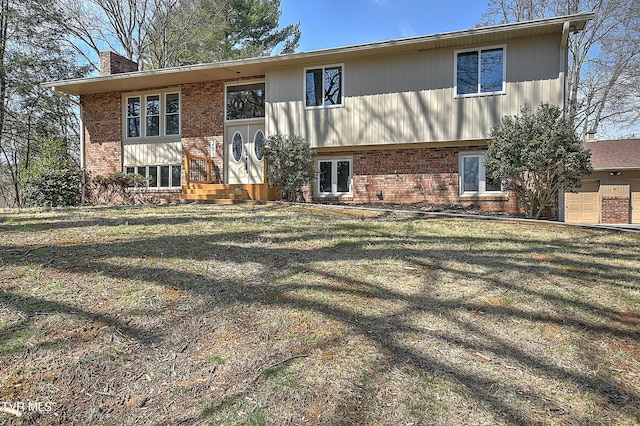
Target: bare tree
117,25
604,59
30,52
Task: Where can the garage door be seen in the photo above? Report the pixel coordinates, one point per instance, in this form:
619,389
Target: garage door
584,206
635,201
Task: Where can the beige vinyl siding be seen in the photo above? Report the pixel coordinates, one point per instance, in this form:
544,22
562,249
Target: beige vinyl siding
410,97
152,153
616,186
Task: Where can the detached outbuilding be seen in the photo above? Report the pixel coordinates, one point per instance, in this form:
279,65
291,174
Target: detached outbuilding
611,194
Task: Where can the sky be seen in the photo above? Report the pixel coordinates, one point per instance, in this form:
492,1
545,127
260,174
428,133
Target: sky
336,23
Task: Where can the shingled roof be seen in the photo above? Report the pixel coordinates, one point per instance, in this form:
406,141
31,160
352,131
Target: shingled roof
614,154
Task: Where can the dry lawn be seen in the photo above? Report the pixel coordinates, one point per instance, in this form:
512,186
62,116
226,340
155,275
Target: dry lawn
299,315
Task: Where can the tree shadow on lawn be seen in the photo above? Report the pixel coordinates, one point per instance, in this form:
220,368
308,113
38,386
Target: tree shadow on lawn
78,218
281,263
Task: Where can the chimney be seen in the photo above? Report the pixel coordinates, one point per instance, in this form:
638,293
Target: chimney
591,136
112,63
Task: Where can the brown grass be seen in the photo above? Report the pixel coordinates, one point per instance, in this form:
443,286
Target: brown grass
290,315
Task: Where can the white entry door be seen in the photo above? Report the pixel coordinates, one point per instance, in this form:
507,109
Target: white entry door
244,151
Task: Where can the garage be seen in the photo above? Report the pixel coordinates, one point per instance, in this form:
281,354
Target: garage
635,200
611,193
583,206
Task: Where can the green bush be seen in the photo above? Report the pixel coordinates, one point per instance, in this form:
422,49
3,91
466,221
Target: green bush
537,154
54,179
290,164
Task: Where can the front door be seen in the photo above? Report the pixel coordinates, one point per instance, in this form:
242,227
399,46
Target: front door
244,151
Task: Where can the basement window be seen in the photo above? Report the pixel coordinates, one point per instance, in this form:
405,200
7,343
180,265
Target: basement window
160,176
473,176
334,176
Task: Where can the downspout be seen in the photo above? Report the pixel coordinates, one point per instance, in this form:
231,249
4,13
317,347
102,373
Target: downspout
564,63
82,159
564,70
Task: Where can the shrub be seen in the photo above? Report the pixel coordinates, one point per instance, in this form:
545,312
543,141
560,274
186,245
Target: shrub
537,155
116,188
290,164
54,179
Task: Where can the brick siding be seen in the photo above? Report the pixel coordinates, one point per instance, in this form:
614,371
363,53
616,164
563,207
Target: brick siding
404,175
615,210
412,175
102,117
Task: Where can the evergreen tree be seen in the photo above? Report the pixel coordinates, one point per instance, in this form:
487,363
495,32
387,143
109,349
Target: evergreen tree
54,178
201,31
537,154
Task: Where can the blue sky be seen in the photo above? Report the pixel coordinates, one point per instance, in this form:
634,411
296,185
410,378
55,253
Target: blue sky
334,23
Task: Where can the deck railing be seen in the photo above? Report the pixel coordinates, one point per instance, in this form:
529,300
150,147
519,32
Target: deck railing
200,169
203,170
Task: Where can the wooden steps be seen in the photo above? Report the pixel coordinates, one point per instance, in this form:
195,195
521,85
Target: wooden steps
234,193
204,192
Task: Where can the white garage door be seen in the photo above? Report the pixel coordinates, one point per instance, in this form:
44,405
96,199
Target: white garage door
584,206
635,201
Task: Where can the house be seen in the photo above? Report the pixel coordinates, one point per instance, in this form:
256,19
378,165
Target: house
397,121
611,194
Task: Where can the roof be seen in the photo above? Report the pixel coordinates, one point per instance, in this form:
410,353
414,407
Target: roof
614,154
228,70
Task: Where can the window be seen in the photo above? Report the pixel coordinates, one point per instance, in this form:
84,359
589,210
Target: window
237,146
323,87
258,145
334,177
473,178
159,176
152,115
172,114
133,117
480,72
245,101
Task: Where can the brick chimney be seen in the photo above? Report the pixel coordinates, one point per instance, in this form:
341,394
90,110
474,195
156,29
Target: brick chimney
112,63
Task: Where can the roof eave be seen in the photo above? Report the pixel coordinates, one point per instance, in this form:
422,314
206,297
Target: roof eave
258,66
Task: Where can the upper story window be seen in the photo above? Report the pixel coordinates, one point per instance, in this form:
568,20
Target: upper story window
323,86
245,101
152,115
473,176
480,71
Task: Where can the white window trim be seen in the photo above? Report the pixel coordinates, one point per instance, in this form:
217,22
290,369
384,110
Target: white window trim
479,93
304,87
143,115
482,184
245,83
147,166
334,177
